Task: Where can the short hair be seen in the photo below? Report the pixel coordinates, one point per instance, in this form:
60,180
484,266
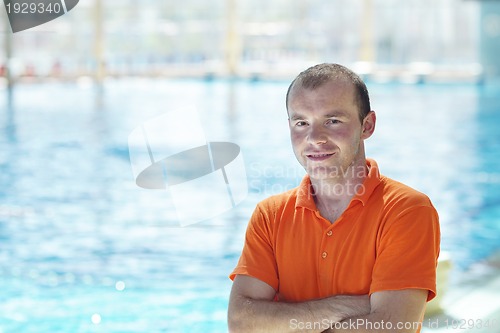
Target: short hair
315,76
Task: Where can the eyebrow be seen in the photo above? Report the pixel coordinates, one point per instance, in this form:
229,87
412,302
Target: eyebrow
297,116
336,114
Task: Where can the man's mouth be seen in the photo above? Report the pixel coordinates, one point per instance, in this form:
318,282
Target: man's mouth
319,156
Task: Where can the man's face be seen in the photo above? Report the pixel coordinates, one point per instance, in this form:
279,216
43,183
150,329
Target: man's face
325,129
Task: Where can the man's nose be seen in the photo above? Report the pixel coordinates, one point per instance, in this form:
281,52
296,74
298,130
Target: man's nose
317,135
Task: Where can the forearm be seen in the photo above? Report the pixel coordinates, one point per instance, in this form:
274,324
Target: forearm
391,311
373,322
251,315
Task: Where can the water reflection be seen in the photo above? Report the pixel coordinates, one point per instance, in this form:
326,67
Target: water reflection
10,122
73,224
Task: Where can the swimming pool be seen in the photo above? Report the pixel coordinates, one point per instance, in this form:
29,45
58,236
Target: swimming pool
82,249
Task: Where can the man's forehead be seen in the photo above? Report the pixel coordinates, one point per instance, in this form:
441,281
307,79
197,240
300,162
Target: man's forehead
327,100
327,90
334,86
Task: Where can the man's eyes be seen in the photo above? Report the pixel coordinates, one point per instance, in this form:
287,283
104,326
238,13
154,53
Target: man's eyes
302,123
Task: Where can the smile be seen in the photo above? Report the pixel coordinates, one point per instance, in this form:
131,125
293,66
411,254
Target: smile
318,156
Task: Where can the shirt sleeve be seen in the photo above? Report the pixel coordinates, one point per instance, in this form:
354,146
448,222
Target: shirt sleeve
257,258
407,252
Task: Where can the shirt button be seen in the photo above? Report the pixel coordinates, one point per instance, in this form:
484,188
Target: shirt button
329,233
324,255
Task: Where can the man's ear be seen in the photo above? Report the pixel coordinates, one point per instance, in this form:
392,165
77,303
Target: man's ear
368,125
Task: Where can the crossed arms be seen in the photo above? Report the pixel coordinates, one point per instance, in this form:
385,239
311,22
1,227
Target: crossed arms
252,309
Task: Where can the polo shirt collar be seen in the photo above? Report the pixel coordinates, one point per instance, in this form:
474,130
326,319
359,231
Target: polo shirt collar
304,195
305,198
371,182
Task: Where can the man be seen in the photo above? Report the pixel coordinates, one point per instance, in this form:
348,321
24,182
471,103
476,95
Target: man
348,249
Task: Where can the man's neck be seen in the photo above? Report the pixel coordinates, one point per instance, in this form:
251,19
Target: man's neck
333,195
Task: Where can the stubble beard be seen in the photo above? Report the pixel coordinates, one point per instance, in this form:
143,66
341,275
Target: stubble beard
337,170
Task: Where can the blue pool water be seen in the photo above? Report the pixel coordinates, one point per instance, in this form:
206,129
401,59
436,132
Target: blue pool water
83,249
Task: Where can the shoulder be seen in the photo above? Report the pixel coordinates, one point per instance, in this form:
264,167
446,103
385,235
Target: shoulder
385,194
282,207
266,218
396,193
277,203
405,211
401,204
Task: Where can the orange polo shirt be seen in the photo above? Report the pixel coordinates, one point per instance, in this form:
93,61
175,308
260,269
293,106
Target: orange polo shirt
388,238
